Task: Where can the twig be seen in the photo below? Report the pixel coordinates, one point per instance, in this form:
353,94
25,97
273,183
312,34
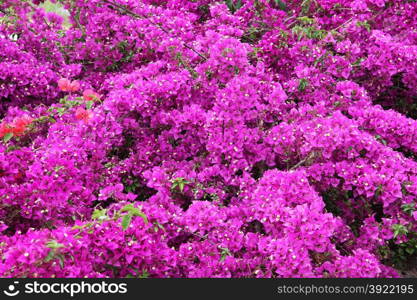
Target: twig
77,21
301,162
44,20
343,24
298,164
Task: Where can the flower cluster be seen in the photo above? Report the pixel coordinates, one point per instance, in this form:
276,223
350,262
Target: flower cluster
17,127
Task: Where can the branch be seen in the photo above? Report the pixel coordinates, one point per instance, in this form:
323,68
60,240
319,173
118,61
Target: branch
44,20
77,21
301,162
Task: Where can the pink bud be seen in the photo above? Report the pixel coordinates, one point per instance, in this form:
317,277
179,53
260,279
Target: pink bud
83,114
90,95
75,86
67,86
64,84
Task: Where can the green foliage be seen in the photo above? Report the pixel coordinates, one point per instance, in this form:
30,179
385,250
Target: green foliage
143,274
379,191
100,214
303,84
398,255
7,137
224,252
404,187
57,168
127,219
134,211
305,6
127,213
234,5
54,244
305,20
66,105
89,104
358,62
59,9
182,62
179,183
364,24
132,186
380,139
281,5
125,48
310,32
54,252
399,229
408,208
131,212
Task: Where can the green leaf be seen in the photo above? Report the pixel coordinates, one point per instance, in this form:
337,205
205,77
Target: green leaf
408,208
54,244
379,190
229,4
306,20
320,59
305,6
380,139
100,214
87,225
364,24
224,253
142,215
12,148
158,226
127,219
89,104
409,250
399,229
144,274
358,62
57,168
60,110
233,7
281,5
50,256
404,187
7,137
303,84
134,211
179,183
61,259
41,119
129,208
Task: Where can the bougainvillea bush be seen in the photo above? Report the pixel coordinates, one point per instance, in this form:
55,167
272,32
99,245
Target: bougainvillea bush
204,138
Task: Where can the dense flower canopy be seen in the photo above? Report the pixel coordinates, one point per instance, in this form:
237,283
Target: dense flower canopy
179,138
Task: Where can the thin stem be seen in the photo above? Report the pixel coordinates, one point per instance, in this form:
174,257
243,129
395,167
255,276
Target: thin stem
301,162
